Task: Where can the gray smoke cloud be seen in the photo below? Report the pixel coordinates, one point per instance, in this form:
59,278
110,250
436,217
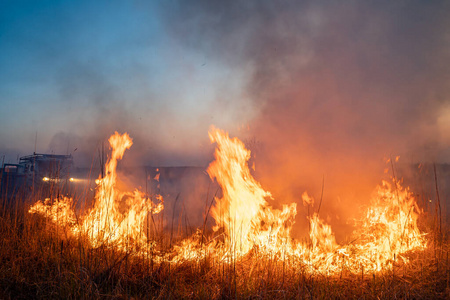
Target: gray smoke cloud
338,87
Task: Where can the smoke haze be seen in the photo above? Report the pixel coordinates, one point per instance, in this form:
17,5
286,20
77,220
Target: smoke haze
338,87
324,91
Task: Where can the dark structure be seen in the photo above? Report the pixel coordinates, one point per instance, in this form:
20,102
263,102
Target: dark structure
47,174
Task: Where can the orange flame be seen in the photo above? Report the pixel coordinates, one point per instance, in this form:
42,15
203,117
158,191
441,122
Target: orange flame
389,228
245,223
105,224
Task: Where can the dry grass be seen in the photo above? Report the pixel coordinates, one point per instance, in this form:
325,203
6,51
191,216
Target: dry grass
40,262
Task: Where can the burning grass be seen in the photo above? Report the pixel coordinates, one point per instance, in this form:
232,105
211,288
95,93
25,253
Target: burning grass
116,249
37,263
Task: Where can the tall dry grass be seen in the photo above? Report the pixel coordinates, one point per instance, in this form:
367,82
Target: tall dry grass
40,261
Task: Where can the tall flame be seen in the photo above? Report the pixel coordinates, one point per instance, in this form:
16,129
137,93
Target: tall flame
388,230
243,211
105,224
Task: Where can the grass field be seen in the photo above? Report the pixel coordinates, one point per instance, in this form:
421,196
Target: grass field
37,261
121,247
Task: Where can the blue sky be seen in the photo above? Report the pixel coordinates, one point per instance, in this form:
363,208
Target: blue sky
75,71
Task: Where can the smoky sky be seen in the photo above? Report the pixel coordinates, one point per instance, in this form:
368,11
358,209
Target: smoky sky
338,87
348,70
323,92
325,88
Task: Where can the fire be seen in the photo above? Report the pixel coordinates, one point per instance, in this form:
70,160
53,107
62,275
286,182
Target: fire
246,225
243,211
387,232
389,228
60,212
104,224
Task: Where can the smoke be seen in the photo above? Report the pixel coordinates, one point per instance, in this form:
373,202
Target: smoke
97,106
329,90
338,87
